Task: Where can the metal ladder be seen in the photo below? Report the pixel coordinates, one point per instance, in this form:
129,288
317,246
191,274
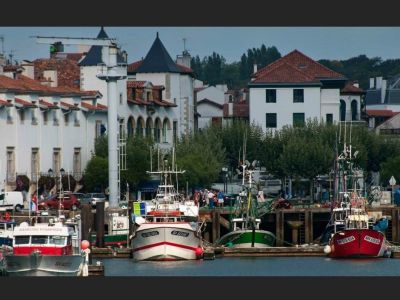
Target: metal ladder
122,157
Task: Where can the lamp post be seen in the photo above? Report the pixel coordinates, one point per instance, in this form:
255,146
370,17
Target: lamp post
225,174
61,197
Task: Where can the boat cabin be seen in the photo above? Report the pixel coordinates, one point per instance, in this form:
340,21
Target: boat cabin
48,238
6,232
241,224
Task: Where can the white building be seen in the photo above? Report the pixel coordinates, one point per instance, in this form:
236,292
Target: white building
293,89
209,103
350,102
178,82
43,128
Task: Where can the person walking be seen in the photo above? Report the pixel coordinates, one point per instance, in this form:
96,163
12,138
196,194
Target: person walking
220,197
211,199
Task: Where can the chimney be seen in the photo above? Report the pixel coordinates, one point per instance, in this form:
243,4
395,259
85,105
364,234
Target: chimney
2,63
356,84
184,59
52,75
379,82
383,91
254,68
372,83
28,69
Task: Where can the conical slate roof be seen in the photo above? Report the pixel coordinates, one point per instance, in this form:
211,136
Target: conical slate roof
93,57
158,60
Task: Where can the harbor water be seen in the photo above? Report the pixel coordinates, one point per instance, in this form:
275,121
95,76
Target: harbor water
259,266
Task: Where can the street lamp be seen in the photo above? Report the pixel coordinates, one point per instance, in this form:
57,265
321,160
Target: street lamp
225,173
61,198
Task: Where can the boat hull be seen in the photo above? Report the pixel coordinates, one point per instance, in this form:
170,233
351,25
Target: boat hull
166,241
43,265
357,243
115,240
243,239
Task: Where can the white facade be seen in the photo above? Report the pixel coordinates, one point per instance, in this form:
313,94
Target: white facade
215,94
30,139
316,104
349,100
208,111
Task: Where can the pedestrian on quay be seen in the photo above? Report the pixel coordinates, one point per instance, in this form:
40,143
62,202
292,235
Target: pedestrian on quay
211,199
220,197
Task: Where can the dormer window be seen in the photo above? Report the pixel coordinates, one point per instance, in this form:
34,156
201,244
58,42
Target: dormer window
148,94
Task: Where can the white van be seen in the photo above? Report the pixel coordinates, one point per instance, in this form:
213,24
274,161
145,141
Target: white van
13,200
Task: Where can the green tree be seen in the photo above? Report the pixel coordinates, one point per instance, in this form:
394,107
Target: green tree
390,168
96,174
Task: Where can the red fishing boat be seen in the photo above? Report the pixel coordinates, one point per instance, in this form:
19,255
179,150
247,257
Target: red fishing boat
354,232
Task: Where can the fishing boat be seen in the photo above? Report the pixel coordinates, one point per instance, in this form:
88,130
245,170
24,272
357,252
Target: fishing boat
246,231
169,228
6,231
353,232
117,233
43,249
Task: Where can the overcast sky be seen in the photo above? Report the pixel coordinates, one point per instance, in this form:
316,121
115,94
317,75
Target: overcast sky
230,42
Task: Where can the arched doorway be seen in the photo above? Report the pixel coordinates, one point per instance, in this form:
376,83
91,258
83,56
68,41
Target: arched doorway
130,126
166,126
342,110
157,131
139,127
149,127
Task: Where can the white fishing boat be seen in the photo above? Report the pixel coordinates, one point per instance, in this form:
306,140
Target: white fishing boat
169,229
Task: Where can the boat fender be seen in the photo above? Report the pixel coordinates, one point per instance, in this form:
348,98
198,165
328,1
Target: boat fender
327,249
199,252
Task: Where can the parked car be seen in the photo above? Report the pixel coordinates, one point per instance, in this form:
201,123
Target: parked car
68,201
81,197
96,197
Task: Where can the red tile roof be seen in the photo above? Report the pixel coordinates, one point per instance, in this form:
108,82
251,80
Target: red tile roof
68,71
164,103
69,106
47,104
304,69
380,113
351,89
158,87
11,68
5,103
135,84
24,103
184,69
99,107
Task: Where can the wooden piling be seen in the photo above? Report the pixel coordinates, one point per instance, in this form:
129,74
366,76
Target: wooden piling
215,225
100,224
395,224
279,228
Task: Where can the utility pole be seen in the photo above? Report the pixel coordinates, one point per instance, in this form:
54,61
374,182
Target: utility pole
111,72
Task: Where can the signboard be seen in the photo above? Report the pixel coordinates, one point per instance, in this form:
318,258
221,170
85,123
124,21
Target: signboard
386,197
392,181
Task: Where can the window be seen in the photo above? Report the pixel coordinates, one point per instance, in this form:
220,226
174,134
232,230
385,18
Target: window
270,96
149,96
77,161
9,116
57,240
175,131
231,98
133,94
139,127
39,239
98,129
10,164
55,119
164,132
45,117
298,95
22,240
66,119
34,119
342,110
157,131
34,164
120,98
354,110
270,120
21,113
298,119
76,119
329,119
56,160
